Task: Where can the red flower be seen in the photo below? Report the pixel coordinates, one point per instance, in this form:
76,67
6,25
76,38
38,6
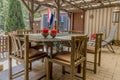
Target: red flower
45,30
53,31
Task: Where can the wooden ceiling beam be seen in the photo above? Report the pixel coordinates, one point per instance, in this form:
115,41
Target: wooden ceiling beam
83,5
43,2
105,6
24,2
72,4
37,8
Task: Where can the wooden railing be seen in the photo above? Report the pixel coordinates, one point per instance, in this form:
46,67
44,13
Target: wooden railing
3,45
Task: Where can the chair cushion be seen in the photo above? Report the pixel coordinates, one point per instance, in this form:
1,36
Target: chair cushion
35,53
93,36
90,49
37,46
65,57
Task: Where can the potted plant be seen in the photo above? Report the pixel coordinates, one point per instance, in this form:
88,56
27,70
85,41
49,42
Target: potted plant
45,32
53,33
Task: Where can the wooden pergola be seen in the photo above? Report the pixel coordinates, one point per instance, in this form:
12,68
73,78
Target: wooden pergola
67,5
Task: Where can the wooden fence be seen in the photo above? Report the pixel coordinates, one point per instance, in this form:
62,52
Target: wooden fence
3,45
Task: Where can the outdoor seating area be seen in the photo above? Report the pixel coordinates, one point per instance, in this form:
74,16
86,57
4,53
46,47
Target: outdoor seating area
60,40
109,69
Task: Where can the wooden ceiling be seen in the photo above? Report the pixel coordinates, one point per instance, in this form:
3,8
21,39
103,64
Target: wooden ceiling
73,5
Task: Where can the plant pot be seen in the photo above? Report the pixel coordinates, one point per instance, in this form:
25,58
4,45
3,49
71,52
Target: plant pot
53,35
45,35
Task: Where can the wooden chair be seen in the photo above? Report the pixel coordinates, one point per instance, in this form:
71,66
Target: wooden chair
71,59
38,31
24,31
33,45
20,51
95,49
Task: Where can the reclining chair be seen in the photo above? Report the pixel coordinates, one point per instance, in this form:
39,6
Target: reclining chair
109,39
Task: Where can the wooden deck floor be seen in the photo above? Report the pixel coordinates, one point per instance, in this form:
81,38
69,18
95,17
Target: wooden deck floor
109,70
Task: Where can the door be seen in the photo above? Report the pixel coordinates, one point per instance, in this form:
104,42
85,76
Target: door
78,22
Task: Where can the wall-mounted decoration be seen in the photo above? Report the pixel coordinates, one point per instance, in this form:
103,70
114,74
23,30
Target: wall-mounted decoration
116,15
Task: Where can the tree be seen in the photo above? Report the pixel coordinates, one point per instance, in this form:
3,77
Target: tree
3,12
14,20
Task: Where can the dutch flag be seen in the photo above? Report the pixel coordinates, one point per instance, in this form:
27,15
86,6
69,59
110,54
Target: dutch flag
50,18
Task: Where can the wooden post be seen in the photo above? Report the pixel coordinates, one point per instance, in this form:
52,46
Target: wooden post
58,14
31,20
32,14
30,6
70,21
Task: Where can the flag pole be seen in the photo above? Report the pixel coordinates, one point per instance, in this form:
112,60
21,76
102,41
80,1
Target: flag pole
48,25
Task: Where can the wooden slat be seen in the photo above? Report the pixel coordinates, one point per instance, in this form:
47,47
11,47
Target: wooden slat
103,18
3,44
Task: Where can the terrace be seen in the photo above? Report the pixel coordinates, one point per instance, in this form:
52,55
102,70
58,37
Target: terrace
78,18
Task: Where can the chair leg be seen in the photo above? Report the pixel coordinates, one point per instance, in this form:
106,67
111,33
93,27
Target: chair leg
10,69
111,50
42,60
84,70
99,60
30,65
26,70
95,63
72,73
63,69
48,70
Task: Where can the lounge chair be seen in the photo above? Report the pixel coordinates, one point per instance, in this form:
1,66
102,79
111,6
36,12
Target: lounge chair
109,39
103,29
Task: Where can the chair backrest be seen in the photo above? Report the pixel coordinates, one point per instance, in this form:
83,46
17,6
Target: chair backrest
112,32
103,29
98,41
38,31
79,44
18,46
24,31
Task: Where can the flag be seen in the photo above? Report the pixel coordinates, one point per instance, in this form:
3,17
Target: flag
50,17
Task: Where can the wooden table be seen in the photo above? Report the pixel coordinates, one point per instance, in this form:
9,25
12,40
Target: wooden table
38,38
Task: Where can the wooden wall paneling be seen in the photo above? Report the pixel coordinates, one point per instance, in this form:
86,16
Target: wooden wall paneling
98,18
93,21
86,22
119,30
101,18
96,28
90,25
105,17
109,15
